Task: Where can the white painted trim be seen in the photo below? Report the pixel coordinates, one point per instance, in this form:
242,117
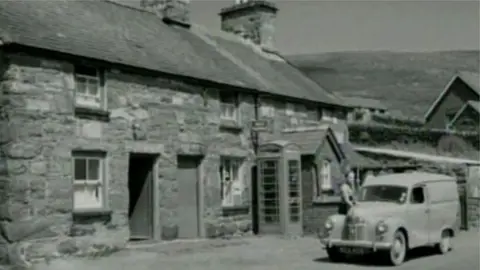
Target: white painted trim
415,155
464,107
440,97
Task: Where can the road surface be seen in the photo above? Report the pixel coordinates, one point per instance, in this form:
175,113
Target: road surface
269,253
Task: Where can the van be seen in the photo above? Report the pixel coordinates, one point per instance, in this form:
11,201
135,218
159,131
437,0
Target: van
395,213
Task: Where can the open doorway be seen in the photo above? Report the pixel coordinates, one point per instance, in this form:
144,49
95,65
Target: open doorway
141,196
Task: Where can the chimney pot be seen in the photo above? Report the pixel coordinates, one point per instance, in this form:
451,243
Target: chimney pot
175,12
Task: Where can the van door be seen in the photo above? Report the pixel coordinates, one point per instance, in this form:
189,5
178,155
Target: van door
418,217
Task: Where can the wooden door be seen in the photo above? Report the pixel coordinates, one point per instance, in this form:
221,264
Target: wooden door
189,199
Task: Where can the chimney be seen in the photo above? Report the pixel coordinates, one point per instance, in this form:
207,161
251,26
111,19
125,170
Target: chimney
176,12
251,19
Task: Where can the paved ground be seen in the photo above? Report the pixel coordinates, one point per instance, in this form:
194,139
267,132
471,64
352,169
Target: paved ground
268,253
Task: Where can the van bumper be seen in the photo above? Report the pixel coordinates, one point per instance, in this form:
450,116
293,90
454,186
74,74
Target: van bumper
328,243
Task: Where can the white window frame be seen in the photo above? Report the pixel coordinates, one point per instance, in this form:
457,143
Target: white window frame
85,202
289,109
229,107
232,168
267,110
311,114
329,115
326,176
89,90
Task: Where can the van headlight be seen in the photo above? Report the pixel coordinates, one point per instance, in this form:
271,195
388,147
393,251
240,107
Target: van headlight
381,227
328,224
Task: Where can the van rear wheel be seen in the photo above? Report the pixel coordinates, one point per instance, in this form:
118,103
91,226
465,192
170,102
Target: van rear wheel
445,244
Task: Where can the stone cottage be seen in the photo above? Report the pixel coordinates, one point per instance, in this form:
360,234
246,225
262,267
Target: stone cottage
138,119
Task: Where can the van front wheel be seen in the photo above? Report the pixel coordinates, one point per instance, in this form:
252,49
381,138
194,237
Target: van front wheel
334,255
398,252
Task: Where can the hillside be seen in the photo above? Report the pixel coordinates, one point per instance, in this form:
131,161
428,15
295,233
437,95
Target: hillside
407,82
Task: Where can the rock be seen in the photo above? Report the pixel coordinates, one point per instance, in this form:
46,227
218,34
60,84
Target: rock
5,213
17,256
68,247
3,254
23,150
82,230
38,168
16,231
244,226
169,232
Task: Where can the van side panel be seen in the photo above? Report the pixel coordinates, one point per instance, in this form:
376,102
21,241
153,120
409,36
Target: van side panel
444,207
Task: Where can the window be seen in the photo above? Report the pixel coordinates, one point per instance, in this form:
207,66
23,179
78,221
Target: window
312,114
89,181
89,87
418,196
290,109
229,107
267,110
231,181
328,115
326,176
323,182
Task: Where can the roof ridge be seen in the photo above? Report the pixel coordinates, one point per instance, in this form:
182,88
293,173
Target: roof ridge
143,10
321,127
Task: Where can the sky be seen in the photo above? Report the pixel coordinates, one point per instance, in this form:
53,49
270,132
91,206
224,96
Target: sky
315,26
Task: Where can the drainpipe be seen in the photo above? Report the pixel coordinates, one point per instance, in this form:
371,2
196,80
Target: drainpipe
255,136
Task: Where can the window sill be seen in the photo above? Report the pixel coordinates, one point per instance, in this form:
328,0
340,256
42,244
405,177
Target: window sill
92,113
326,200
235,210
91,215
232,125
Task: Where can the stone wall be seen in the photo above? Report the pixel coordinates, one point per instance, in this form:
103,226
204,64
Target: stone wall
473,212
42,131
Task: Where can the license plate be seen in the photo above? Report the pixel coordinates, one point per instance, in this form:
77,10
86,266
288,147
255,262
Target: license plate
352,251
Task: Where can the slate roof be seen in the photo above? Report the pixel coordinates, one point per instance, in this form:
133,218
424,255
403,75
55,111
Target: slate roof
472,79
357,160
307,140
133,37
361,102
474,105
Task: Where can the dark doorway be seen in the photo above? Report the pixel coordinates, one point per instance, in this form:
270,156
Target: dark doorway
140,187
189,197
254,200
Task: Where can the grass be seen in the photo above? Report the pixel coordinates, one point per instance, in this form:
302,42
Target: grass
406,82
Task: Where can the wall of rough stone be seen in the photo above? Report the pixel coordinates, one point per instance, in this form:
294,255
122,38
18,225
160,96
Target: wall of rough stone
40,130
43,131
473,212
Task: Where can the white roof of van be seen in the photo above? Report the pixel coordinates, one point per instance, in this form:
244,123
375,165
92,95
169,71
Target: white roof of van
407,179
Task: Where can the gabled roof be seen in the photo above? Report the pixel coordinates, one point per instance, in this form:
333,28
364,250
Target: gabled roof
133,37
357,160
472,79
310,139
362,102
475,105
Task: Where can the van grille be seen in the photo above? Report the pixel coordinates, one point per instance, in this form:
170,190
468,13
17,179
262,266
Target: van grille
355,228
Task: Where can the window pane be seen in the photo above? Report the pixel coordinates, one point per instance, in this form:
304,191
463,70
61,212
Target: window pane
93,87
81,85
80,169
87,197
93,169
